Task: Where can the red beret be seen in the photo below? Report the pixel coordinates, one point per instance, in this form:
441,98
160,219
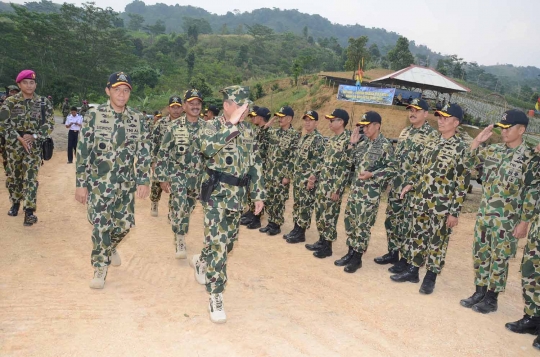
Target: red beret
26,74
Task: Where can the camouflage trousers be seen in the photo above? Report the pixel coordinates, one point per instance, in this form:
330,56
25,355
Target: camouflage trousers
220,232
4,155
112,216
397,222
427,241
359,218
304,203
276,196
326,216
493,247
155,191
530,270
22,170
182,201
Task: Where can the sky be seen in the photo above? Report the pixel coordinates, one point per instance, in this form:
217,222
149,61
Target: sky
485,31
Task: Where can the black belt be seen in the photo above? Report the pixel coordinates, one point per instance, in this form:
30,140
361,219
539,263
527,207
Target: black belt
229,179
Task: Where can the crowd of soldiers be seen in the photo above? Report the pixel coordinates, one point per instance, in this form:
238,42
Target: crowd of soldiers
230,163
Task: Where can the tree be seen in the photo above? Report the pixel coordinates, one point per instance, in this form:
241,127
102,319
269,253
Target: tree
156,29
144,76
136,22
374,52
305,32
355,52
199,83
400,56
224,29
190,60
138,47
202,25
242,55
259,92
296,71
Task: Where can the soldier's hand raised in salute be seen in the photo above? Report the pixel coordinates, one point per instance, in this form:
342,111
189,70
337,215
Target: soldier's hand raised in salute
267,125
355,135
482,137
237,114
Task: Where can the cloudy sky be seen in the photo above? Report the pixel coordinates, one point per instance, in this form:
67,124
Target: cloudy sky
488,31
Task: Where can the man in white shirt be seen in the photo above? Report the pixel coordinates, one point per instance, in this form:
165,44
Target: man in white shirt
73,123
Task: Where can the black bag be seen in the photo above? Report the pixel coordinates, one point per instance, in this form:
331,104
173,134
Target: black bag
47,147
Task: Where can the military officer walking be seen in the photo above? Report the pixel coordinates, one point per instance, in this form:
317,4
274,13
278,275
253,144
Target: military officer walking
157,131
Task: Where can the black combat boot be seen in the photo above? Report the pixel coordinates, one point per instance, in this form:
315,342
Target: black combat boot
325,250
299,237
474,298
536,342
345,259
488,303
265,228
14,210
293,232
29,217
315,246
255,223
274,229
528,324
399,267
410,274
247,218
354,264
428,284
388,258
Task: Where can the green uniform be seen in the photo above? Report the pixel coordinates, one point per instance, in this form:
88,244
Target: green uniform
306,158
282,145
110,146
18,117
84,109
530,268
65,110
509,193
262,144
440,180
375,156
229,149
158,130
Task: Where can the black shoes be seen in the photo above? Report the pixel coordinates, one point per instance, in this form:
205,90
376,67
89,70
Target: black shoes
255,223
474,298
247,218
428,284
293,232
488,303
315,246
345,259
388,258
29,218
354,264
14,210
410,274
273,229
299,237
536,342
325,250
399,267
528,324
265,228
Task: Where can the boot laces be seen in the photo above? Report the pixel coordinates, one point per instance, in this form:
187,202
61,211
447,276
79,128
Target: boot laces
218,302
100,272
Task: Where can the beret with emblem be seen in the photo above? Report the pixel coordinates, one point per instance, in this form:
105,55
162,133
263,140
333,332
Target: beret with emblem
119,78
26,74
238,94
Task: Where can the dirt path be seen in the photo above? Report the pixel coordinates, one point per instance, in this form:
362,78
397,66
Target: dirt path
280,300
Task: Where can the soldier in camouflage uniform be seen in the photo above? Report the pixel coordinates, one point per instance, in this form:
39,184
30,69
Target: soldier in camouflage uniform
398,217
179,164
10,91
370,155
305,160
439,181
84,108
24,129
211,112
114,138
157,130
278,172
510,182
330,176
233,171
65,109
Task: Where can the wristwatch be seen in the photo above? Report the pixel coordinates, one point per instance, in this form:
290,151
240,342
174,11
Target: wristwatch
35,136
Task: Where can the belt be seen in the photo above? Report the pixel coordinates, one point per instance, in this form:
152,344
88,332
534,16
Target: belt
229,179
21,133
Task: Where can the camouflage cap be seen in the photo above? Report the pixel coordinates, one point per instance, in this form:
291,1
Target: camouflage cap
238,94
13,87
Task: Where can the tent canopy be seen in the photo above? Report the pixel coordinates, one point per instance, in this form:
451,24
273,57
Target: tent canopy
423,78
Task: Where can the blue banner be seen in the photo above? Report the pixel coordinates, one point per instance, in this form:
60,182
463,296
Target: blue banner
366,94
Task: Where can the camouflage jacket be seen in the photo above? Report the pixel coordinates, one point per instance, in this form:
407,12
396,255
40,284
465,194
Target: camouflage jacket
158,130
262,142
332,172
440,177
179,156
376,156
18,115
510,180
306,158
281,146
84,109
410,141
109,145
65,108
232,149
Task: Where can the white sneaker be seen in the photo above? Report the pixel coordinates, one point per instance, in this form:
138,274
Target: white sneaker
199,268
115,258
216,309
154,209
180,247
100,273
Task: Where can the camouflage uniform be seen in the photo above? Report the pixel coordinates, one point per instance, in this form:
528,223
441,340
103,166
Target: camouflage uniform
230,149
530,268
108,147
332,173
282,145
19,117
179,162
365,195
84,109
65,111
398,217
262,143
440,181
306,158
509,193
158,131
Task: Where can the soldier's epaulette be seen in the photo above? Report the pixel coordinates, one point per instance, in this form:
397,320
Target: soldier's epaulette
133,110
